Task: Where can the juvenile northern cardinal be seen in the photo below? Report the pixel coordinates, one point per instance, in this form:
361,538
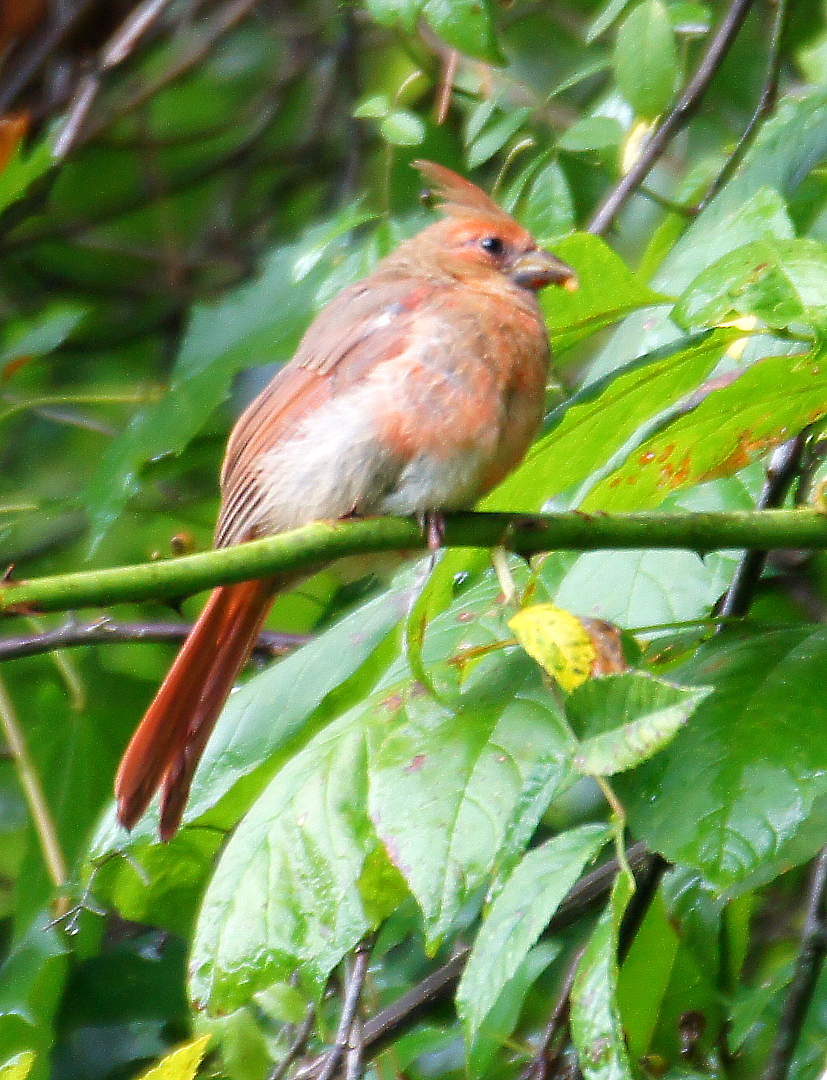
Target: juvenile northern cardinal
416,389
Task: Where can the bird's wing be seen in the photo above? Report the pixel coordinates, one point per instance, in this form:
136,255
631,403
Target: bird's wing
363,326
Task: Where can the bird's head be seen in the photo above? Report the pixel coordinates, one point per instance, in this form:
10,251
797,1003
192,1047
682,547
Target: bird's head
477,237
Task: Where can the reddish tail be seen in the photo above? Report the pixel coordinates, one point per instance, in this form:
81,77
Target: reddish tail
172,735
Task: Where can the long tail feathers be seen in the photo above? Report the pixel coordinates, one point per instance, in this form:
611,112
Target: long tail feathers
172,735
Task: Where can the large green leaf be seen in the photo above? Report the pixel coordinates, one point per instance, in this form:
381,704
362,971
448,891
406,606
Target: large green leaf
31,980
641,588
740,793
519,914
285,893
454,787
781,282
595,424
772,400
608,290
624,719
467,25
646,59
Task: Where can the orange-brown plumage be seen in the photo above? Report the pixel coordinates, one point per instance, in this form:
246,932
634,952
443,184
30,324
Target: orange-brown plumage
417,388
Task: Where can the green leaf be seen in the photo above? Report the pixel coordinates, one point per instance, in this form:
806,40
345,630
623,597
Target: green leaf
504,1015
23,169
478,117
628,718
519,914
452,790
494,136
402,13
35,337
586,431
608,14
690,20
779,281
640,588
547,211
645,59
32,978
373,108
467,25
285,893
596,1026
608,290
591,133
581,73
773,399
645,976
741,792
402,128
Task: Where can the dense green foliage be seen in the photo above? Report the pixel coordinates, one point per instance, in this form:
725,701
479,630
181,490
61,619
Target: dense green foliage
411,778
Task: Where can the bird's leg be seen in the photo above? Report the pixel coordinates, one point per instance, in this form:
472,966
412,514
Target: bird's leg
499,560
432,524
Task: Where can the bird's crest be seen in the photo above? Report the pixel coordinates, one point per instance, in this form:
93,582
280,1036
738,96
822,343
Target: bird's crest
455,195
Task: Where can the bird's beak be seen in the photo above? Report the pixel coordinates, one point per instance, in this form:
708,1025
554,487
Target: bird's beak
537,268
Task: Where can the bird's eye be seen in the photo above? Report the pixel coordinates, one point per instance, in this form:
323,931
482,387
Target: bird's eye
492,244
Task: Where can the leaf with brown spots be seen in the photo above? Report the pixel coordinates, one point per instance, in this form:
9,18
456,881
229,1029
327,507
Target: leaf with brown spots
772,400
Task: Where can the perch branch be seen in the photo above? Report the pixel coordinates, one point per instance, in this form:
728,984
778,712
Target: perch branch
308,548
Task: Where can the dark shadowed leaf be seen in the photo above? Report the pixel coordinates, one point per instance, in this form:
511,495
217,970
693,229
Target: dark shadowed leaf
740,793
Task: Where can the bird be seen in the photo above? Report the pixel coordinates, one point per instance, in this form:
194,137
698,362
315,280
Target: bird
414,391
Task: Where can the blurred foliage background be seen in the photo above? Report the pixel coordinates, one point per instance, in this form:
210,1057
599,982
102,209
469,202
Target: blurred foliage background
183,184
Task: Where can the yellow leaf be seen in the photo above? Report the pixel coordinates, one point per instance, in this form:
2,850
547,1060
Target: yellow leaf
181,1063
557,640
18,1067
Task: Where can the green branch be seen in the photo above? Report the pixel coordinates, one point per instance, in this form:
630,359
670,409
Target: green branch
309,548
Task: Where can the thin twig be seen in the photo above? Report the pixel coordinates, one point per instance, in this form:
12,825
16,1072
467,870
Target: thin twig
353,994
781,471
354,1058
131,30
766,103
680,114
106,631
41,814
19,76
296,1046
543,1061
810,956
